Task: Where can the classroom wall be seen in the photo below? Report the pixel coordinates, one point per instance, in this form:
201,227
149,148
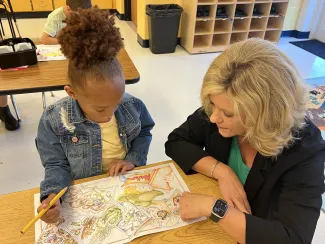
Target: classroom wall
306,15
31,28
292,15
120,6
142,18
46,5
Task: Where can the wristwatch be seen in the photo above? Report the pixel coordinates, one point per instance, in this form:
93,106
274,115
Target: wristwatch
219,210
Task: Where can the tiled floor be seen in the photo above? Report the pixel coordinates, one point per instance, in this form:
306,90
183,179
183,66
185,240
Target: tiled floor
169,86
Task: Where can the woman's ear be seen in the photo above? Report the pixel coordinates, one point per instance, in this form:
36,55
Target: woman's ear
69,90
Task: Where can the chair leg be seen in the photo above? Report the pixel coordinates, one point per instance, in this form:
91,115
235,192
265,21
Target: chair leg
15,106
52,94
44,100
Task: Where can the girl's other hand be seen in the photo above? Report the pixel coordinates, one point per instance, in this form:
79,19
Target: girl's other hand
119,166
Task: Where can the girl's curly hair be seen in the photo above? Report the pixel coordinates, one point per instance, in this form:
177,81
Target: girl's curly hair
90,37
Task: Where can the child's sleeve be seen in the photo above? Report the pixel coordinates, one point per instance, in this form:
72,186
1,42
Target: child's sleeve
140,145
54,160
50,27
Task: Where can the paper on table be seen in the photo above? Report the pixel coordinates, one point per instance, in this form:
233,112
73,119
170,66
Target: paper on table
49,53
118,209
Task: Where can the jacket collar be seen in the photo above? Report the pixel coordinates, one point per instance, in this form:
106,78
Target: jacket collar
75,114
257,176
309,145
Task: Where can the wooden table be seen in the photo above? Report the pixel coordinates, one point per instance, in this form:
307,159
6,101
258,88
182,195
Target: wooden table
16,209
52,76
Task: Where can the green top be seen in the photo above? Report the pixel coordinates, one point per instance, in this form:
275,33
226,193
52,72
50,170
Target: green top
235,162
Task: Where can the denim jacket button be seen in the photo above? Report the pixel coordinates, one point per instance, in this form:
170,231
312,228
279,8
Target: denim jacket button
75,139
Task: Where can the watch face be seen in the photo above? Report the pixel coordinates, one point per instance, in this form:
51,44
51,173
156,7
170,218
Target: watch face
220,208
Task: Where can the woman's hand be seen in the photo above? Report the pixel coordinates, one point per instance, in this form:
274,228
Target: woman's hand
194,206
119,166
231,188
52,215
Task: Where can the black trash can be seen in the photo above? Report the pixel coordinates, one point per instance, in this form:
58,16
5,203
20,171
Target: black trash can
163,27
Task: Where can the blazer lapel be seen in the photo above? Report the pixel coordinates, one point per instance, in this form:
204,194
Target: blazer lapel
257,175
218,146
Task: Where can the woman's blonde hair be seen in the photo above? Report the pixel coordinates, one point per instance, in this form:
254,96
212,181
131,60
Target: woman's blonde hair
267,91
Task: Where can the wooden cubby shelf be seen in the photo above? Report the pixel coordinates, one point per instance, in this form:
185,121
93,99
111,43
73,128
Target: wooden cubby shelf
203,27
228,9
246,9
258,24
273,35
221,40
261,9
213,25
241,25
206,2
237,37
256,34
245,1
222,26
275,23
203,41
278,8
226,1
205,12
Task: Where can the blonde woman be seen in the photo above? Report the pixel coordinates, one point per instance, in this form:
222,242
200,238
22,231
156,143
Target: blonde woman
251,135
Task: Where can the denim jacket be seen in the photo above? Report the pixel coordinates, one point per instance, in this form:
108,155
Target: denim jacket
70,145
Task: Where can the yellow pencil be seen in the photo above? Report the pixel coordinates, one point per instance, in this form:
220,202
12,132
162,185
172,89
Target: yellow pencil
43,211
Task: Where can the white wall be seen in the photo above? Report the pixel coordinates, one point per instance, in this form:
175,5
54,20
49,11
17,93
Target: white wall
307,13
31,28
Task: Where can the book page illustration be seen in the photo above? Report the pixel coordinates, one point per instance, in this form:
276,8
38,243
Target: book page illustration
117,209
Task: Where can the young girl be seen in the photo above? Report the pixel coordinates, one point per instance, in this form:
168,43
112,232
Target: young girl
98,128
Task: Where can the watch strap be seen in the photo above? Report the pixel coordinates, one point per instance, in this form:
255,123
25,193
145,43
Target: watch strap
214,218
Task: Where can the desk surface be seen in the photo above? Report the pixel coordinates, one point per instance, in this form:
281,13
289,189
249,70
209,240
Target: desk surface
52,76
16,209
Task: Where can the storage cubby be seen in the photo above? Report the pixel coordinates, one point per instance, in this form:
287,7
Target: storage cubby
221,40
256,34
225,11
203,27
258,24
202,41
222,26
206,2
226,1
237,37
211,25
241,25
245,1
273,35
246,9
275,23
205,12
278,9
261,9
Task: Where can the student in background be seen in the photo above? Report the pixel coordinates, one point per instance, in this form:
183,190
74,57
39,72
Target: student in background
98,128
55,19
6,117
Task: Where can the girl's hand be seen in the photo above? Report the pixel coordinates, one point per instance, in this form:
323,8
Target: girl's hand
194,206
52,215
119,166
232,189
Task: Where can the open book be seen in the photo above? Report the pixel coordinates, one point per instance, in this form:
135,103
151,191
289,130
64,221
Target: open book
118,209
